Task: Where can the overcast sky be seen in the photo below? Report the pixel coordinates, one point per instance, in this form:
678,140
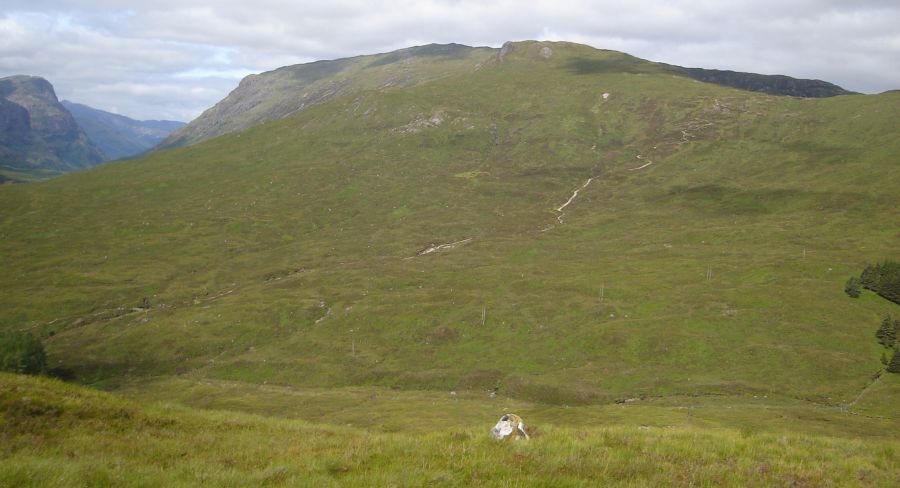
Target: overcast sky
171,59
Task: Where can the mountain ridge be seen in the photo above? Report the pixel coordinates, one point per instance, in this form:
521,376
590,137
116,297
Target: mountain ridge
41,137
288,89
119,136
278,93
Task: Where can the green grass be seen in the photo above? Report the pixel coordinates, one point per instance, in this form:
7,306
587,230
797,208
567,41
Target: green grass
417,411
19,176
287,254
59,435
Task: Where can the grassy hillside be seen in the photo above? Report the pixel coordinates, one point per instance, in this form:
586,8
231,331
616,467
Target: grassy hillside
287,90
704,259
59,435
279,93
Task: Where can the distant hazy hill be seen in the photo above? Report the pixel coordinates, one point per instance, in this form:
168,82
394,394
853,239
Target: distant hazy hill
771,84
284,91
119,136
38,136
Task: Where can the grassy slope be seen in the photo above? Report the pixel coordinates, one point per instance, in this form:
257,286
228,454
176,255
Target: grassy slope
287,253
279,93
59,435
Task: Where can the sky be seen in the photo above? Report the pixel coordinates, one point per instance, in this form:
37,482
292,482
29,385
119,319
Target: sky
172,59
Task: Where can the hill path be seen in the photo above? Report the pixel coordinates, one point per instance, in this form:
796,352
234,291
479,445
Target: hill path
872,383
559,209
443,247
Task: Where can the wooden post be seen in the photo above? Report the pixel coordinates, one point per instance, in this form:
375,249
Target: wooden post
483,314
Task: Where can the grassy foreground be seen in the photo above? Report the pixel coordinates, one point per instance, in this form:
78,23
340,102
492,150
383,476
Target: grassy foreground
55,434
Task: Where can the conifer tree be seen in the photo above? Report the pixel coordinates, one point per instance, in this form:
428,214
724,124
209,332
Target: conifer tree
887,333
894,365
852,287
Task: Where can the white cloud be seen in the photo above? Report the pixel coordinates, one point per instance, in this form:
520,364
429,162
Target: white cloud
203,47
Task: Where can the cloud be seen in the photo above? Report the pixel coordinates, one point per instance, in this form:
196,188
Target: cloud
82,62
108,53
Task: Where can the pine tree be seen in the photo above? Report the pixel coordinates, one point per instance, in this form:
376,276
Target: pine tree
887,333
883,279
894,365
868,276
852,287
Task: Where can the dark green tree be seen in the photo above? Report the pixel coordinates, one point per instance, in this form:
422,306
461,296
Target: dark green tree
887,333
853,287
883,279
22,353
894,365
868,275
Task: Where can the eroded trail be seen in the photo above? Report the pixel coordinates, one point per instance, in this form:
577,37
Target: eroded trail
648,163
687,134
559,210
847,407
442,247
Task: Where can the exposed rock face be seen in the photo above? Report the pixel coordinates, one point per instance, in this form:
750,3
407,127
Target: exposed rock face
15,124
525,49
119,136
504,51
39,135
277,94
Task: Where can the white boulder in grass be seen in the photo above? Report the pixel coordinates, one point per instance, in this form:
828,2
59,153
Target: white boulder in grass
509,426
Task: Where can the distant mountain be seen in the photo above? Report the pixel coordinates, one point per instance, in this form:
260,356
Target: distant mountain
277,94
119,136
38,136
771,84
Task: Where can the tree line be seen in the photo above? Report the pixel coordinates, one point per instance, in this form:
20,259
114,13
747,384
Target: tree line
888,335
882,278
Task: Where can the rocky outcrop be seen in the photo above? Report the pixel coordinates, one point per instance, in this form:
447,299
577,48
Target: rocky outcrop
15,124
39,135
